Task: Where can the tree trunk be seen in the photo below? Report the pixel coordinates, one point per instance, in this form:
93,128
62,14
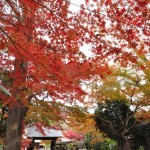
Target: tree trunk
14,128
124,145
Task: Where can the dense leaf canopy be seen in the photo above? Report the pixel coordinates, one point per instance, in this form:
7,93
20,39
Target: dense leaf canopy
40,40
111,118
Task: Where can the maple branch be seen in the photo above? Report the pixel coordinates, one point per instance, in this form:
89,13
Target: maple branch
42,18
125,92
12,42
26,52
14,9
34,95
132,94
56,16
16,28
15,43
133,91
46,96
111,17
28,36
128,119
109,124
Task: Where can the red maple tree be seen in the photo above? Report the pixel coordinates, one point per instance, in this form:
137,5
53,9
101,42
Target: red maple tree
73,135
40,55
116,30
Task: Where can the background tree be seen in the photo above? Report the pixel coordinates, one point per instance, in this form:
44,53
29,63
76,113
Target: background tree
111,118
130,85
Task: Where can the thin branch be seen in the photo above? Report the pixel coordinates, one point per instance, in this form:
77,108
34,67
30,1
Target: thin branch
16,27
14,10
12,42
15,43
111,17
133,91
34,95
66,24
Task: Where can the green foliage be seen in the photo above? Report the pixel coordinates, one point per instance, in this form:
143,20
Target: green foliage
105,144
108,145
1,147
71,146
110,117
88,139
141,148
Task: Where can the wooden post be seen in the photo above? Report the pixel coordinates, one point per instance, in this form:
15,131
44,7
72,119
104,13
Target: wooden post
53,144
31,147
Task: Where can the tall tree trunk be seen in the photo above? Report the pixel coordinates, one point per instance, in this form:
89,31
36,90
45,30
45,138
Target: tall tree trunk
124,145
14,128
17,112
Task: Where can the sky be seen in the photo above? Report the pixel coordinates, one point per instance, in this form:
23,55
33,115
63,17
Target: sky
76,2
